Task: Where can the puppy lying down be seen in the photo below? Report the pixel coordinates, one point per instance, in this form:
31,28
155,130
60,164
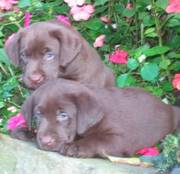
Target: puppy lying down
84,121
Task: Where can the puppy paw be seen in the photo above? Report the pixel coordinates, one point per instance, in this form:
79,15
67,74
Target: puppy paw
21,133
76,150
69,150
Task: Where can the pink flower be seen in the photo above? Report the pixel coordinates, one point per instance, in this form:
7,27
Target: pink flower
129,6
64,19
27,19
173,6
16,121
119,57
7,4
72,3
105,19
99,42
82,13
148,151
176,81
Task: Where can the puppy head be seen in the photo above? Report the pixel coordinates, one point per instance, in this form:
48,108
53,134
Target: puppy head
62,110
43,51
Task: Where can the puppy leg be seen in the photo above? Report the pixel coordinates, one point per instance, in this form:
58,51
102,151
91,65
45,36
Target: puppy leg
91,146
22,133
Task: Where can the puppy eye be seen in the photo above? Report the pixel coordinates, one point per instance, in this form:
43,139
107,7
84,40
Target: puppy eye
62,116
23,59
49,56
37,117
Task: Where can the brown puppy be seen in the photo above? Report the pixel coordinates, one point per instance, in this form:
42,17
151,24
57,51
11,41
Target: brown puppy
83,121
49,50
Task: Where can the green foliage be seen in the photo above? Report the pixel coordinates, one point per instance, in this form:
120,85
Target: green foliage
149,35
171,152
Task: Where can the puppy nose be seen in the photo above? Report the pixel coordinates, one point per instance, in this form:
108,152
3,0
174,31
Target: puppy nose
36,78
47,140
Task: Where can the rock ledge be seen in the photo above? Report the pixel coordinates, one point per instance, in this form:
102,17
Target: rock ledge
17,157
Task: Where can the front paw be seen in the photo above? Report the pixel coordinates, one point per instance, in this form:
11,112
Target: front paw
70,150
77,150
22,133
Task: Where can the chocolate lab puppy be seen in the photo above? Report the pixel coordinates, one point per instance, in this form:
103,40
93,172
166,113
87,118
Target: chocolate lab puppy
85,121
49,50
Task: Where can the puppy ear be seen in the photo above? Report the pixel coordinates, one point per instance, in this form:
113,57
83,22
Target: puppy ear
12,47
89,112
27,111
70,44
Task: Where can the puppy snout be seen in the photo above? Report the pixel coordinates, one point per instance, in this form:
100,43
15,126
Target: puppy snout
36,78
47,140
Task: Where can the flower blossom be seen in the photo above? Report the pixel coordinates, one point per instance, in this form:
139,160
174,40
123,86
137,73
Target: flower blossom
176,81
82,13
7,4
64,19
99,42
148,151
105,19
119,57
27,19
173,6
129,6
72,3
16,121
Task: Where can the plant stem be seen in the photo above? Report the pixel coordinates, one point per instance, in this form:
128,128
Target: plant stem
159,33
157,23
142,33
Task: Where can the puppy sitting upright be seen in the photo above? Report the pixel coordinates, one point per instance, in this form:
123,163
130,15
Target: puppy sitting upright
51,50
84,121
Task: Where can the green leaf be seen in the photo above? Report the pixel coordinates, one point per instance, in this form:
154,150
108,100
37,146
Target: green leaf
174,21
24,3
139,51
2,104
125,80
167,86
175,66
165,63
100,2
3,57
94,24
156,50
150,71
150,32
128,12
132,64
162,3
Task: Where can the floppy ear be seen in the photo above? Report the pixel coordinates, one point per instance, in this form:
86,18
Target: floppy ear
27,111
12,47
70,44
89,112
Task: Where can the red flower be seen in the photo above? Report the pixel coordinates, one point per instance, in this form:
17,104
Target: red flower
16,121
99,42
105,19
64,19
119,57
27,19
129,6
173,6
176,81
148,151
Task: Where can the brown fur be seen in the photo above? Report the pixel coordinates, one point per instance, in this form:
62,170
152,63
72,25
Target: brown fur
73,57
100,121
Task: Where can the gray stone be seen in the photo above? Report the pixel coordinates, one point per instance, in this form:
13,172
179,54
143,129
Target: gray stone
17,157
